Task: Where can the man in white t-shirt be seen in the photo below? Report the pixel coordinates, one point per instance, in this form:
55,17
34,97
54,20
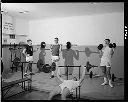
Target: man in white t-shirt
105,64
67,86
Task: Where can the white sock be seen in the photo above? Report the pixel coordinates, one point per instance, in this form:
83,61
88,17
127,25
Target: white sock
110,83
105,81
52,72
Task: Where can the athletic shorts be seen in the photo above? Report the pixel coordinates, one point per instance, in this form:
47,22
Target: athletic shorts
29,58
55,58
105,62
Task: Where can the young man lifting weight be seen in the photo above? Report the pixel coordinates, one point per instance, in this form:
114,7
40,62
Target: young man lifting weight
67,86
105,64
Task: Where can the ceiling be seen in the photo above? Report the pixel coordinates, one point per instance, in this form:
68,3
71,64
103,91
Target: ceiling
48,10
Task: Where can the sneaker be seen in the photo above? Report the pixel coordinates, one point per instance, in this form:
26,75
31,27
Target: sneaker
110,84
52,76
32,73
104,83
25,74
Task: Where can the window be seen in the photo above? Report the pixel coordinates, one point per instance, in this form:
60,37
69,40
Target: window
12,36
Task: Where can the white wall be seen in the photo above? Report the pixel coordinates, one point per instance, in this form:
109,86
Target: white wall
81,30
21,26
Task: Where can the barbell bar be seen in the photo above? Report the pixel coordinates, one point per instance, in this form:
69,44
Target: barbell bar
88,67
88,52
45,67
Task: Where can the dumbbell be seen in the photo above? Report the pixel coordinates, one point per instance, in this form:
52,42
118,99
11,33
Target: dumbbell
100,46
113,77
112,45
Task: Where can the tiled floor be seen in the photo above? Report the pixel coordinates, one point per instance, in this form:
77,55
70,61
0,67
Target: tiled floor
90,89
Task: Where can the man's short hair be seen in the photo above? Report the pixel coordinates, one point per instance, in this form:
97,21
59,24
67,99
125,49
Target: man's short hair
68,45
29,40
108,40
43,44
56,38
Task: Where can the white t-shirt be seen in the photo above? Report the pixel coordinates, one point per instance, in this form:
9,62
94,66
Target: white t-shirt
106,54
70,84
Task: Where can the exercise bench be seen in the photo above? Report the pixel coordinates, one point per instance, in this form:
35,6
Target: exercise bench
7,86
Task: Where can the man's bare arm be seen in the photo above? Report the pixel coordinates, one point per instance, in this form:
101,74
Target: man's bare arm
100,53
76,55
51,47
60,50
24,51
112,51
59,76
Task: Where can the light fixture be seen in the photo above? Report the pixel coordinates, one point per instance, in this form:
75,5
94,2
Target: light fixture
24,12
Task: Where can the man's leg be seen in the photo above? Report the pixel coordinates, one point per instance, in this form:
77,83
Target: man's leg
30,68
109,75
104,74
70,70
57,64
26,69
66,70
65,93
55,91
52,72
56,60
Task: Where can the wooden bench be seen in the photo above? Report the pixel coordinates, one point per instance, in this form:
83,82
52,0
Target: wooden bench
11,84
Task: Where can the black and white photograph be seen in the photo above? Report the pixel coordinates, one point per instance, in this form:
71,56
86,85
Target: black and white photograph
62,51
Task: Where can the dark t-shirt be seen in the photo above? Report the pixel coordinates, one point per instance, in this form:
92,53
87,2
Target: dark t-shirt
29,50
55,50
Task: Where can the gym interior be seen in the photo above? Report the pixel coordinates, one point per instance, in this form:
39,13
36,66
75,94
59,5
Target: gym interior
85,25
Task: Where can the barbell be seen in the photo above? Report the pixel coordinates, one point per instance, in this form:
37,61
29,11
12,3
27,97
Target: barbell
50,47
88,52
46,68
88,67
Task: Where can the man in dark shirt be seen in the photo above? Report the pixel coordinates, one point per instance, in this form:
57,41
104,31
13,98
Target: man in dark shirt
28,52
55,49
